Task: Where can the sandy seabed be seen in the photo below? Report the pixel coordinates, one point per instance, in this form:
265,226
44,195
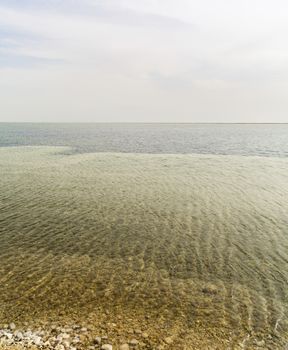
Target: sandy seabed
191,247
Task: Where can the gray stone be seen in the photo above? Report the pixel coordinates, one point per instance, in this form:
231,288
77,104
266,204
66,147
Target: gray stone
124,347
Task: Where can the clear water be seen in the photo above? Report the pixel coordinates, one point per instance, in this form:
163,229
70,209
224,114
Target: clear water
189,245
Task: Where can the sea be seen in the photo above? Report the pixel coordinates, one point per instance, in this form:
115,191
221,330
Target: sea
180,230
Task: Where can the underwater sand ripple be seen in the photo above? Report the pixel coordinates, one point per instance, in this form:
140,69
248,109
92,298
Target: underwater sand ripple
194,237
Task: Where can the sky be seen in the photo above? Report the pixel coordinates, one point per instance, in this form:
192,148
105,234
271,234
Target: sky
144,61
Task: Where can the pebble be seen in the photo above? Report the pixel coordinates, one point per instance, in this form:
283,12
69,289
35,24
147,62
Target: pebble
66,344
28,334
37,341
106,347
59,338
210,289
76,340
260,343
98,340
62,338
19,335
12,326
168,340
134,342
59,347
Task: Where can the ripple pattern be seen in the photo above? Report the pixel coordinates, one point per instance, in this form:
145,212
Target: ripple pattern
195,239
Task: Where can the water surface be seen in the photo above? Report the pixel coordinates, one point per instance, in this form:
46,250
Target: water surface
269,140
198,243
175,229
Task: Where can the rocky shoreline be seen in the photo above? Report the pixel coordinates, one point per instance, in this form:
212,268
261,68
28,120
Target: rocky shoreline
73,337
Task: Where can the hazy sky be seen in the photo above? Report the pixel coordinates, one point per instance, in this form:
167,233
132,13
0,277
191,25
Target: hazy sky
144,60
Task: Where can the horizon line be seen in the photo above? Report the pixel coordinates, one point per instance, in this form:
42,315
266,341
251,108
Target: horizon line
169,123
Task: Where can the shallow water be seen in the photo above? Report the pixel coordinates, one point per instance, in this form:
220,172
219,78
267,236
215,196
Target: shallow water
198,242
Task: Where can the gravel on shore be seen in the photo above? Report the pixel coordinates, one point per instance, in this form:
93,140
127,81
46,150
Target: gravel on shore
74,337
